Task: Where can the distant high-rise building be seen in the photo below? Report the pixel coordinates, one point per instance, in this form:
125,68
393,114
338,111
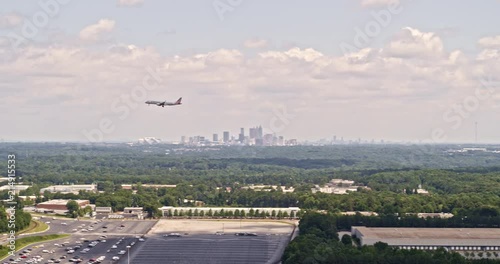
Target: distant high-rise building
260,133
281,141
215,138
253,132
242,135
226,136
268,139
183,139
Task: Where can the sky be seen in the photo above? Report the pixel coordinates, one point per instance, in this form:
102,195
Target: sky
398,70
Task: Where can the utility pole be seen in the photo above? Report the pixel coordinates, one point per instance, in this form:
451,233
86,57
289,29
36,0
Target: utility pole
128,254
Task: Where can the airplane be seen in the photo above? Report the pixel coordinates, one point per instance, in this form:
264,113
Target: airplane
164,103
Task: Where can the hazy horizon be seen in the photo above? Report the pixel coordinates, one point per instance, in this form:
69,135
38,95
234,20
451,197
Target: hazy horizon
392,70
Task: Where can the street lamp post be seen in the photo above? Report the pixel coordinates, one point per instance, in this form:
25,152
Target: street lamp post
128,254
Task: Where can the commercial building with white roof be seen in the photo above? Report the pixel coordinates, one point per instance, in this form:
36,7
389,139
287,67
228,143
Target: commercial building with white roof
456,239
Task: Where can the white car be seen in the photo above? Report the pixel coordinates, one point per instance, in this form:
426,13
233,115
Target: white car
116,258
114,246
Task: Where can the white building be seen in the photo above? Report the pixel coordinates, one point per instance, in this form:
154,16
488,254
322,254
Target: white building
15,187
337,186
75,188
456,239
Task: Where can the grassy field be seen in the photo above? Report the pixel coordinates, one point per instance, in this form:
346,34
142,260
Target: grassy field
22,242
34,227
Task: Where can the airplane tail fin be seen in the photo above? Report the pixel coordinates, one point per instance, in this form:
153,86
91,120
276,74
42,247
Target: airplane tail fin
178,101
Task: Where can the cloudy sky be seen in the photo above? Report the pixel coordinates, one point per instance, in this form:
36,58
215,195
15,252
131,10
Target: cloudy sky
397,70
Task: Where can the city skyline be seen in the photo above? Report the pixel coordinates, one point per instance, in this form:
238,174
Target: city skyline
397,70
255,137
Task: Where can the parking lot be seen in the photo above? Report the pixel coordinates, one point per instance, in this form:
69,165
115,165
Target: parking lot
90,242
166,241
207,241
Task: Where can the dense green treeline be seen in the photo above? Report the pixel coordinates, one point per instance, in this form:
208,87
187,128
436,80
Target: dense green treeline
17,222
345,222
384,202
318,242
290,166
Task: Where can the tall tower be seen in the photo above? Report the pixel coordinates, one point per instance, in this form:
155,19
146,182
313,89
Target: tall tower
253,132
215,138
260,133
242,135
226,136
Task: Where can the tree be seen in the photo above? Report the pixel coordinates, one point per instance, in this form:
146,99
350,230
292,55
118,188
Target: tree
87,210
236,213
73,208
346,240
152,210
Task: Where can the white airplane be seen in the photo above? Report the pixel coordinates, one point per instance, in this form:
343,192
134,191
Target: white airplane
165,103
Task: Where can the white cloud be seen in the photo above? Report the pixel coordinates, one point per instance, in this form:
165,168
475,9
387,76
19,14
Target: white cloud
413,43
413,73
95,32
490,42
10,20
130,2
255,43
378,3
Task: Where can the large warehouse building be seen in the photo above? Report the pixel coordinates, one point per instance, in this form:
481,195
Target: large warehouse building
456,239
58,205
74,188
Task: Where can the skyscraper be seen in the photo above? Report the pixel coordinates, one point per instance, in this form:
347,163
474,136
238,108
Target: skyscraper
215,138
253,132
242,135
226,136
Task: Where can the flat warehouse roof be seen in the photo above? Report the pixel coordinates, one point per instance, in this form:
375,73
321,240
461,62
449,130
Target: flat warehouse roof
430,236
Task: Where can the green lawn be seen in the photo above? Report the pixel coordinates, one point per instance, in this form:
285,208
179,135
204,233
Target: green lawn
35,226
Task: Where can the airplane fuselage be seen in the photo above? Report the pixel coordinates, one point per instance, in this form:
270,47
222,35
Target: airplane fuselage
164,103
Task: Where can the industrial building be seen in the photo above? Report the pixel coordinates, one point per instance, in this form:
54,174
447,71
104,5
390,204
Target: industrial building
337,186
456,239
156,186
15,187
133,212
70,188
58,205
